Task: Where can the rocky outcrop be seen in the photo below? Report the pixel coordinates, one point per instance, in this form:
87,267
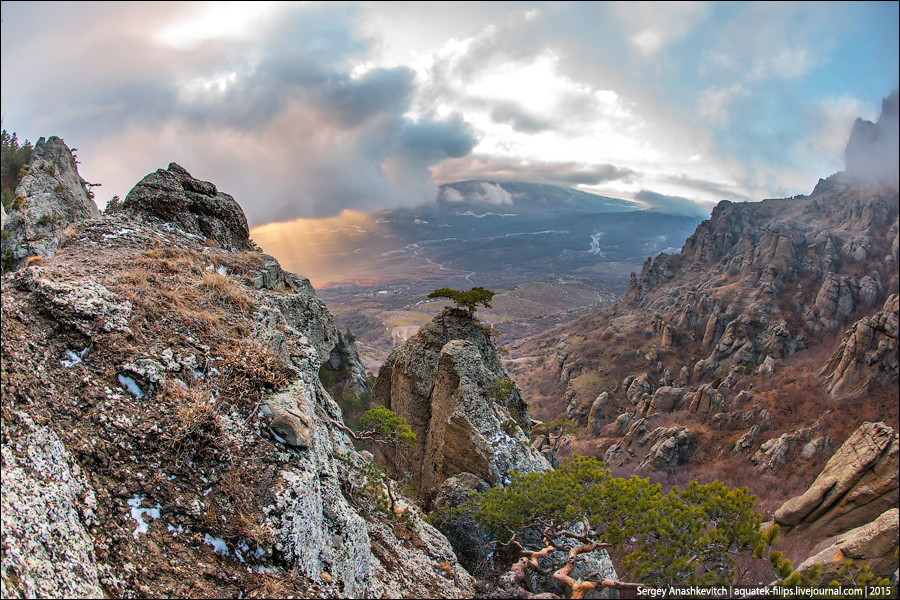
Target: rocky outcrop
867,354
347,367
660,448
857,484
192,205
871,545
165,431
447,381
50,197
472,544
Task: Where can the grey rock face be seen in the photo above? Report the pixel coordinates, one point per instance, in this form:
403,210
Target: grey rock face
53,197
47,550
472,545
192,205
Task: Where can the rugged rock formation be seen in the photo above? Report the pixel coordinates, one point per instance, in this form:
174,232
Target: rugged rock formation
347,366
872,544
659,448
165,432
194,206
447,381
868,354
50,197
756,300
858,484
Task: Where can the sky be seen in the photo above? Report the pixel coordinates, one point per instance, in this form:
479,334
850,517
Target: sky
308,109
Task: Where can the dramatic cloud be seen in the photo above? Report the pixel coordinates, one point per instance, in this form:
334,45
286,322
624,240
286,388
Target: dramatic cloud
310,109
307,136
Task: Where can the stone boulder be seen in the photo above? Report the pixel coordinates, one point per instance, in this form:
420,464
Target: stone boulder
471,543
51,196
667,399
192,205
598,407
776,453
444,382
858,483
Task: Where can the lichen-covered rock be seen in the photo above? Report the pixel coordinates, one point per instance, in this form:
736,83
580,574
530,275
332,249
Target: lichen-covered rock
471,543
85,304
858,483
469,432
47,551
195,206
51,196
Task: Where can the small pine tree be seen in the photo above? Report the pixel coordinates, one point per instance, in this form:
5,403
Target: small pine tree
468,300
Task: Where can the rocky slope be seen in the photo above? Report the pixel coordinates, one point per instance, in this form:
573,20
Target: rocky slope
753,353
164,429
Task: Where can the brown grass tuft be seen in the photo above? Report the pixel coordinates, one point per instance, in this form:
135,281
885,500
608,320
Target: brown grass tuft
34,260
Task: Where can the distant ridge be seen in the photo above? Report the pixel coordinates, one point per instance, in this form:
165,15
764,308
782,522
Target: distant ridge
527,197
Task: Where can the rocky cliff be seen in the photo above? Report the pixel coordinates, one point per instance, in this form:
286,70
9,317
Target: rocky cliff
165,432
755,352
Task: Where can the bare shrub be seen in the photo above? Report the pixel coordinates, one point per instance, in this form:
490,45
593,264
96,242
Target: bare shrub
249,370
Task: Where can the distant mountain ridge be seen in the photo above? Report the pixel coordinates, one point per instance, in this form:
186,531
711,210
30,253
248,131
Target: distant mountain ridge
499,232
526,197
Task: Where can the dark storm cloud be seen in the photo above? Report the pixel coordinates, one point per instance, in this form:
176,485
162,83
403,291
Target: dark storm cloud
278,121
673,205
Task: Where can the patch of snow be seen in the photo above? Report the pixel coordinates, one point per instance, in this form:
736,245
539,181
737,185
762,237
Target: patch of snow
137,513
131,385
277,437
218,544
72,358
123,231
222,270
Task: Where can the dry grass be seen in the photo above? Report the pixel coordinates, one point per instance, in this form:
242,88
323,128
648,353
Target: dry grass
219,287
34,260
